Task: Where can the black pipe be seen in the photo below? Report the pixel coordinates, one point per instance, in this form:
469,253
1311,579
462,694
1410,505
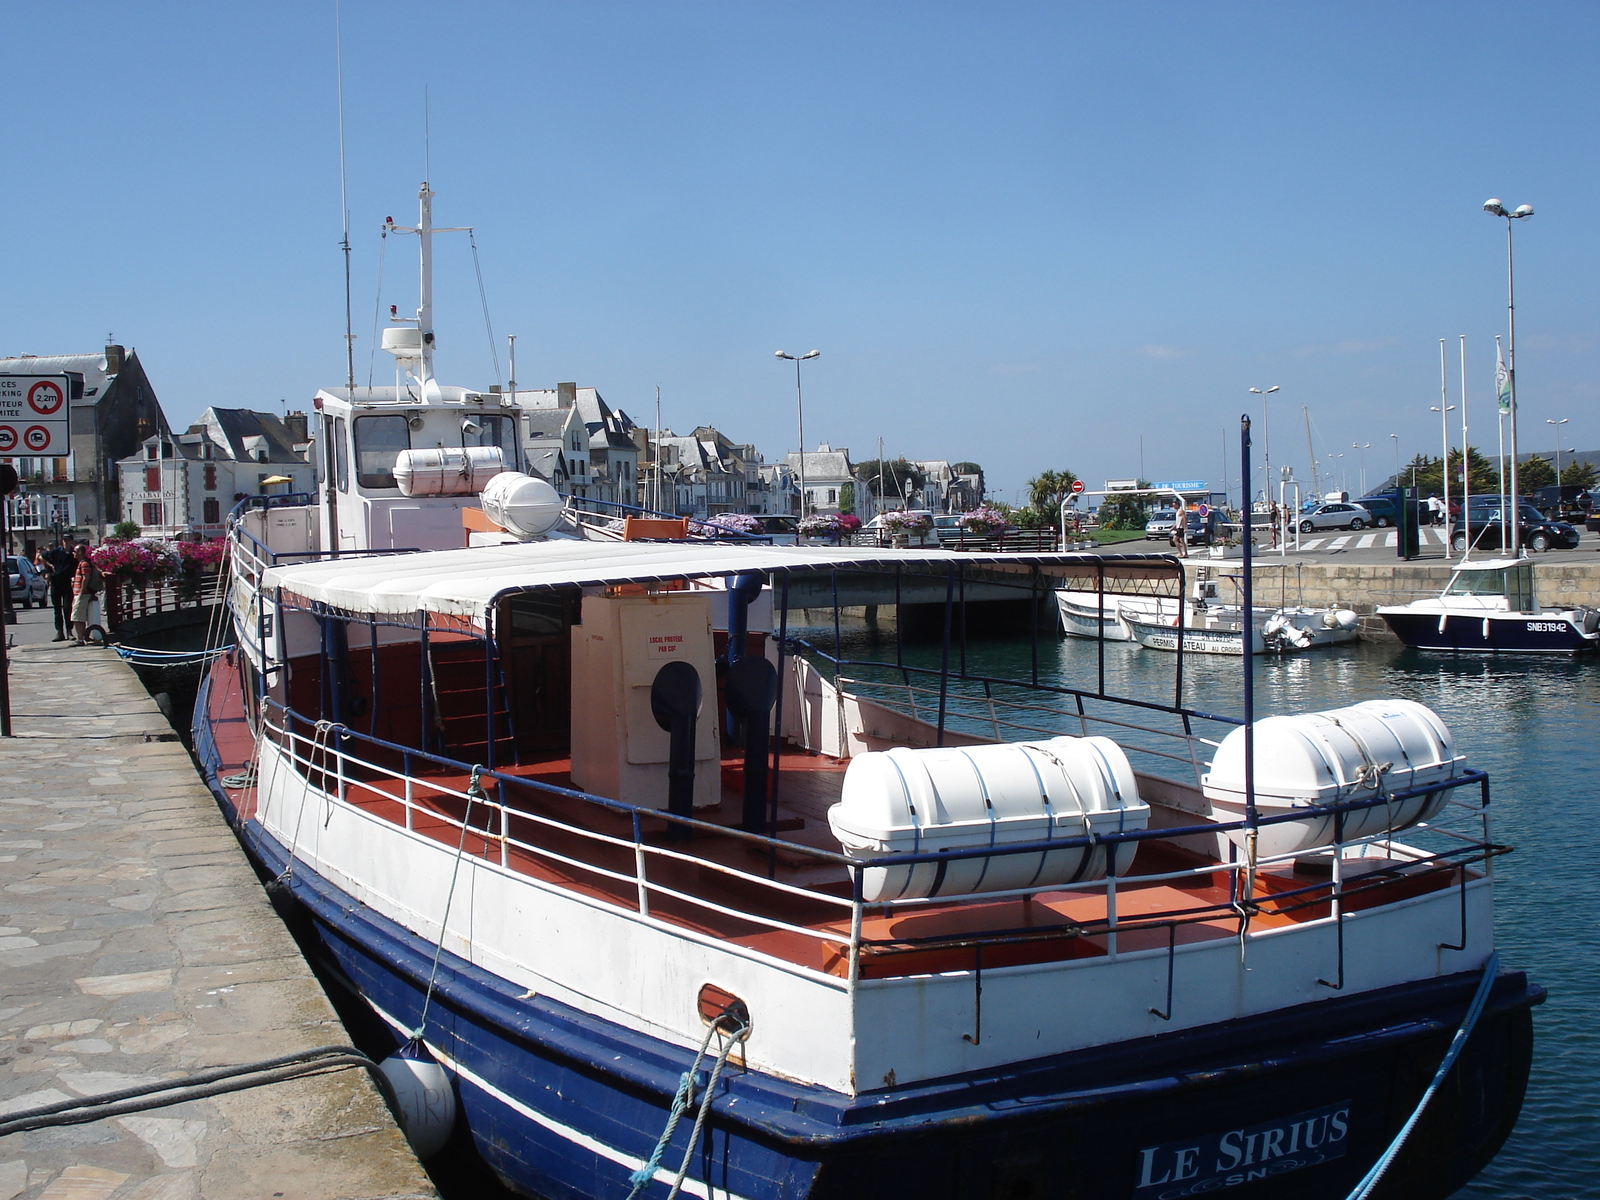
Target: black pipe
752,689
675,704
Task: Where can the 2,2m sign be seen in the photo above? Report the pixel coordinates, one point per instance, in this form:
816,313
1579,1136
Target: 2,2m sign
34,413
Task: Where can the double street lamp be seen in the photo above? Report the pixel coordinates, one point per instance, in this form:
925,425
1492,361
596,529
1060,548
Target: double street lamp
1521,212
1266,441
1558,425
800,413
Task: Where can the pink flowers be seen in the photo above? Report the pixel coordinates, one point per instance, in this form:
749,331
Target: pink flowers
725,523
984,521
907,522
140,561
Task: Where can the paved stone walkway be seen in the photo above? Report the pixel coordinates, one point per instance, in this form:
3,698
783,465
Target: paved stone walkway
136,944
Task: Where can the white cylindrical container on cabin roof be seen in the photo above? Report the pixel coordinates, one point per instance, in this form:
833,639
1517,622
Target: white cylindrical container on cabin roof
905,801
1344,754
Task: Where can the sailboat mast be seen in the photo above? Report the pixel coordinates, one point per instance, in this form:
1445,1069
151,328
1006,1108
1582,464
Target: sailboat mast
1316,488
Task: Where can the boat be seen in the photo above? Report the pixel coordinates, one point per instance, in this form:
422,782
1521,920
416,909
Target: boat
1491,607
1100,615
657,896
1207,627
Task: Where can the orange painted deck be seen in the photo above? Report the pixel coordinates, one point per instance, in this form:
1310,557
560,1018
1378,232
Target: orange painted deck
1051,926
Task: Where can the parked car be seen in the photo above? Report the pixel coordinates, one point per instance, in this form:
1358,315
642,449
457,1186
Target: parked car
28,586
1335,516
1558,501
1385,509
1537,532
1160,524
784,531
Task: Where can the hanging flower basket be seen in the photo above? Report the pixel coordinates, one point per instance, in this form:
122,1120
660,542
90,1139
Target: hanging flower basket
984,521
137,563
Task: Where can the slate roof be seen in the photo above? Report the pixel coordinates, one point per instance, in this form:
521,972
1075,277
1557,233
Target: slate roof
91,366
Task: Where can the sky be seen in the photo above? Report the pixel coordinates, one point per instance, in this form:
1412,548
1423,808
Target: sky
1065,236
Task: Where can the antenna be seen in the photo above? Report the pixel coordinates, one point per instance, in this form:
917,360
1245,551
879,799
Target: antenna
427,147
344,209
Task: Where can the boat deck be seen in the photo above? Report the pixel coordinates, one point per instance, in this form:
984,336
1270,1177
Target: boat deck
548,836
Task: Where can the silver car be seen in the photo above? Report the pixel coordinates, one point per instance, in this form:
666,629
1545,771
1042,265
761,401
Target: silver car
1335,516
27,585
1160,524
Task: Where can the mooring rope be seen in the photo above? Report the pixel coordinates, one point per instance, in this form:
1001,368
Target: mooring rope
680,1104
474,793
1474,1010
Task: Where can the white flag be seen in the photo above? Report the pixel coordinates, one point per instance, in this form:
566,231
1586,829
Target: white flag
1502,380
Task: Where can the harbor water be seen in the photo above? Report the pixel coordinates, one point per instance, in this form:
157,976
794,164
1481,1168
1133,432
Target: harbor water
1530,722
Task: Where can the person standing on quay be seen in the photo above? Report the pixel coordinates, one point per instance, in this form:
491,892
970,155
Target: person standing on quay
61,565
87,583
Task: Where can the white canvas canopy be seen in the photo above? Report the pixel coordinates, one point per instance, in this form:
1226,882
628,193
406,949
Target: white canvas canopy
464,583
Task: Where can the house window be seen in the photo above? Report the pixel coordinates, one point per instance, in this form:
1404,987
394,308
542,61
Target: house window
152,451
833,495
212,511
211,477
152,513
152,479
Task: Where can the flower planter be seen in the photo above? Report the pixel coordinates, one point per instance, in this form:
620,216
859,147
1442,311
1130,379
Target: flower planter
1225,552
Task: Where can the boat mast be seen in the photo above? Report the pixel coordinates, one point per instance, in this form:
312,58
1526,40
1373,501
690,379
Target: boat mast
425,304
1316,488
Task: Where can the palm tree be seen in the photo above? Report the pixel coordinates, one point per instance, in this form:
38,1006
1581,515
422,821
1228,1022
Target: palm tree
1048,489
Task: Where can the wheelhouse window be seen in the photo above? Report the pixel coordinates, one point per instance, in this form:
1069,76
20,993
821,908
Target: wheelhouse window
379,441
341,456
494,429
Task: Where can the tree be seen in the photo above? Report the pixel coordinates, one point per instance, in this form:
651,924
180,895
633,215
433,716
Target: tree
1578,474
126,530
1048,489
1534,473
893,473
1122,511
847,498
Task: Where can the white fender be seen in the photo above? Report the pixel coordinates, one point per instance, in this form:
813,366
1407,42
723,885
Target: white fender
427,1102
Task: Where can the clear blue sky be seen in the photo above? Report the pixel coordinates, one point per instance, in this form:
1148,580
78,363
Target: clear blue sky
1018,233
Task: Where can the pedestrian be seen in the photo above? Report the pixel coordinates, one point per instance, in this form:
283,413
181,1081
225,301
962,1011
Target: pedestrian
87,584
1180,532
59,565
1275,514
1435,509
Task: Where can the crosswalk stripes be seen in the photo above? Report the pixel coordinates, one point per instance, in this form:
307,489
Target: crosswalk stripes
1366,541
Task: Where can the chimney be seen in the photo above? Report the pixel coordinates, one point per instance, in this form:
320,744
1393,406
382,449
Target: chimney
115,357
295,422
566,395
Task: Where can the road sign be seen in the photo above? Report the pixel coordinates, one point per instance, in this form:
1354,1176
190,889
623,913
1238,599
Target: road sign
34,412
1077,487
1204,510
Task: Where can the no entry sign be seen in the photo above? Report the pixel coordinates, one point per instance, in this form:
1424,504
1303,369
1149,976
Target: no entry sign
34,415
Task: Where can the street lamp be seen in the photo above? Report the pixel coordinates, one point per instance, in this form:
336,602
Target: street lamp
1521,212
800,415
1396,438
1363,447
1558,425
1266,441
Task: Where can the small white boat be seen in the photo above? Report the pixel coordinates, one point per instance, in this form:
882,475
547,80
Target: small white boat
1490,607
1099,614
1216,629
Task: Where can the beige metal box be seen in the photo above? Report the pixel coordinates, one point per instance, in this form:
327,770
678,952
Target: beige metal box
618,750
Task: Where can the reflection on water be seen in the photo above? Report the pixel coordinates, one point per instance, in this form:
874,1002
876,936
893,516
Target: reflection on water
1529,722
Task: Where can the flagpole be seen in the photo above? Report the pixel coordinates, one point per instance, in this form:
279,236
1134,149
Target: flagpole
1500,385
1466,460
1514,523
